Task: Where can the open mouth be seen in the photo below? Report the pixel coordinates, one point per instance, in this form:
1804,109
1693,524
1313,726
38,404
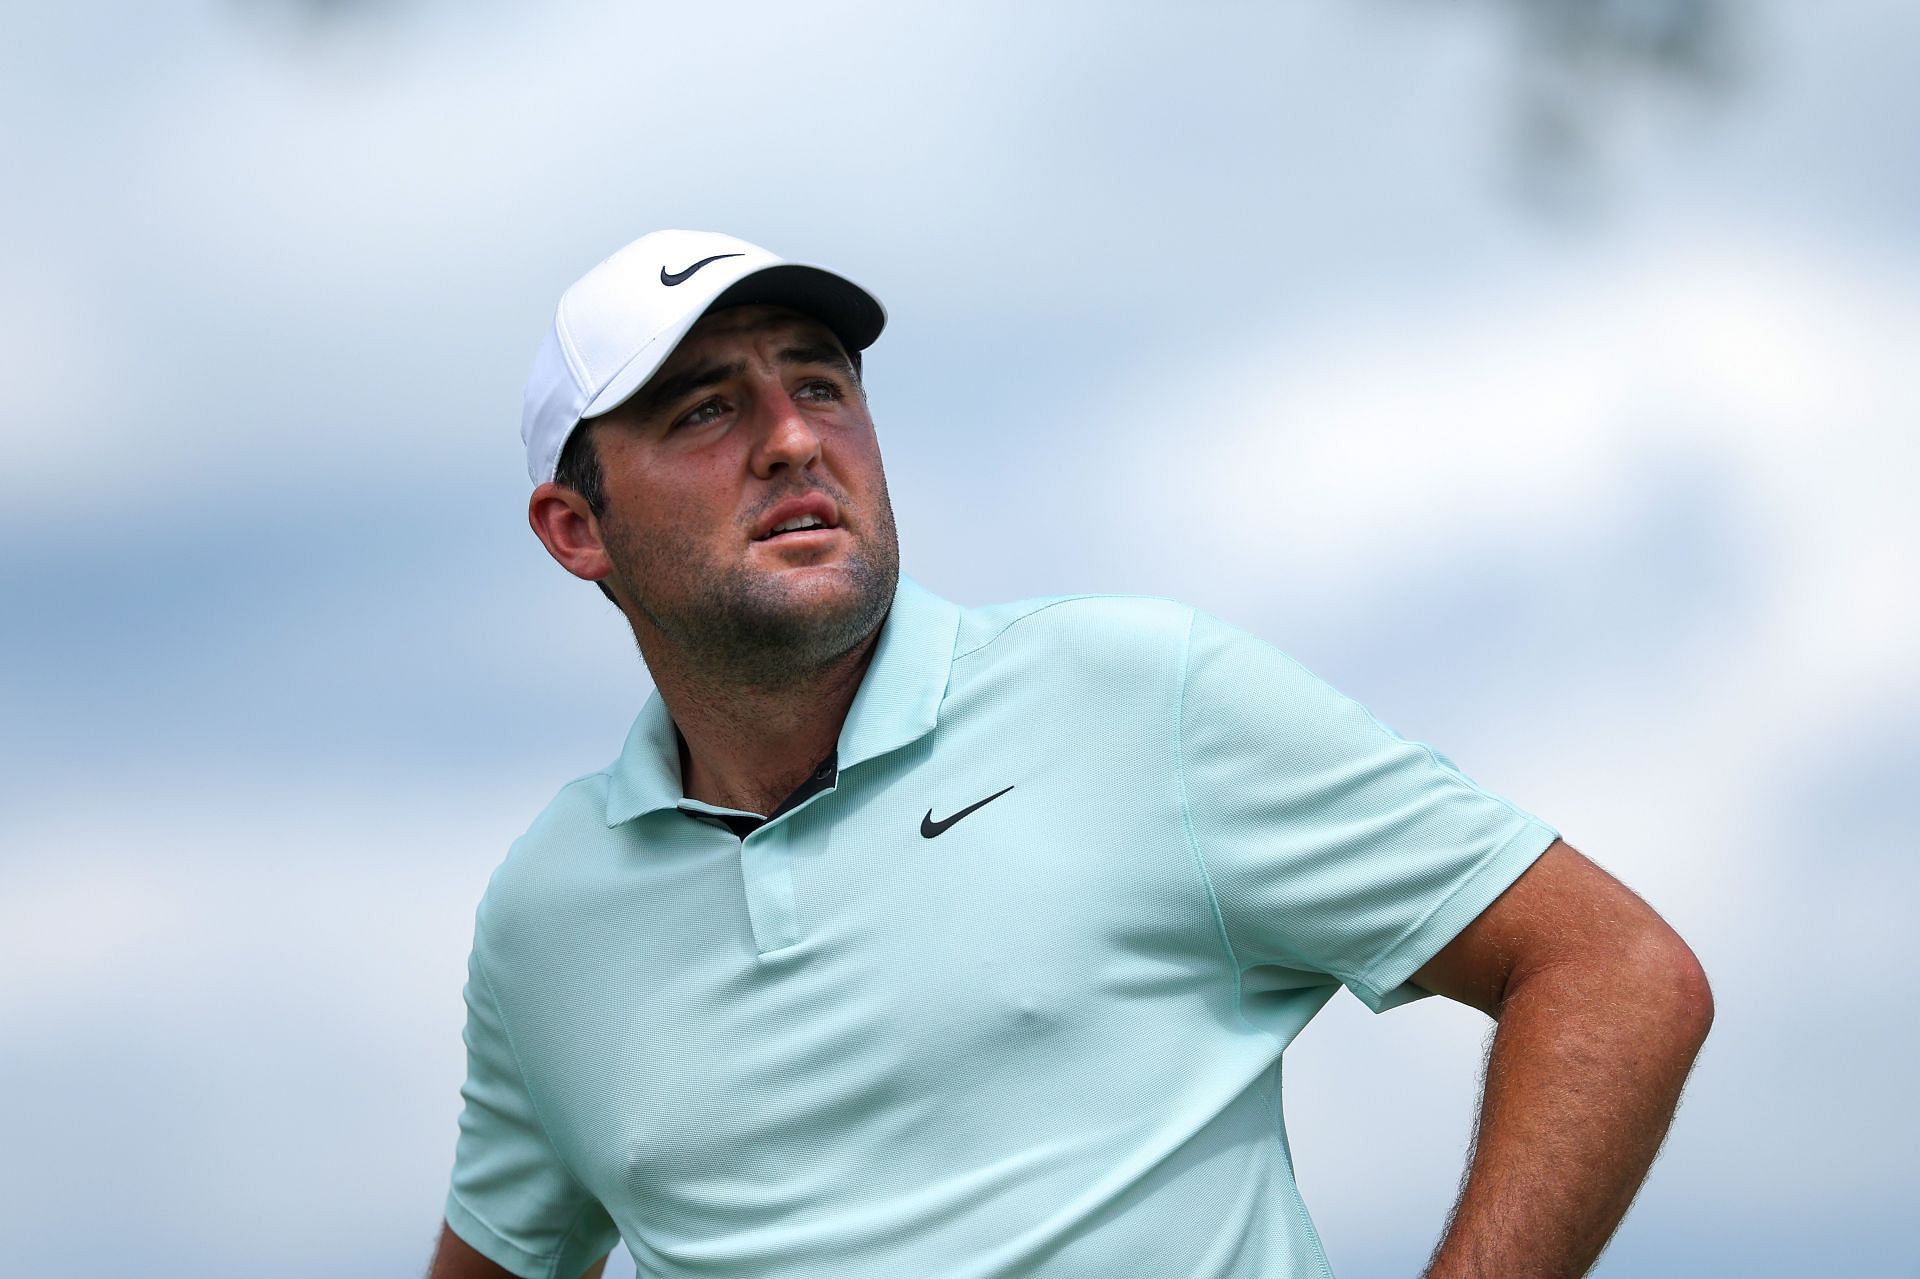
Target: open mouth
808,518
798,524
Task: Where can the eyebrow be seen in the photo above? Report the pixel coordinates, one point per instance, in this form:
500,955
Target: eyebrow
815,353
665,391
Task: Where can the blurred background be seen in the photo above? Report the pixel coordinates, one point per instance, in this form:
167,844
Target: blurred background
1529,370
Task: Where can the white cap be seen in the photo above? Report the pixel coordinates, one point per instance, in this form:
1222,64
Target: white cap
620,321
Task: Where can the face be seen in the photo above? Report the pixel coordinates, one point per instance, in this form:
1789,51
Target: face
746,519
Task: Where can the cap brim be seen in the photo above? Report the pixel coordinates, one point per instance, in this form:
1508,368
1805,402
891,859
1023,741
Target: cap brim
855,316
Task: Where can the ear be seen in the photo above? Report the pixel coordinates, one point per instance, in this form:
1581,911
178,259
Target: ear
569,530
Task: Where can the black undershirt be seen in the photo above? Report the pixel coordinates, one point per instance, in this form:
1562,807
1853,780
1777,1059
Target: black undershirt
822,778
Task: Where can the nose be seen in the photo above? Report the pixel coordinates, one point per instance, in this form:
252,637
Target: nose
789,439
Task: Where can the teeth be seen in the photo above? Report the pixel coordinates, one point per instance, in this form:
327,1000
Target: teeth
799,521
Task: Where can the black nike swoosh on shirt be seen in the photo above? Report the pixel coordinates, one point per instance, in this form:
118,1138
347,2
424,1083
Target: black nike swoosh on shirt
929,828
681,277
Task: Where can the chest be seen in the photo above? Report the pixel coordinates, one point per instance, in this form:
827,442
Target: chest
959,936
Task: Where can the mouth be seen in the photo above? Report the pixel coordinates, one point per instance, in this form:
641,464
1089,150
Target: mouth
802,519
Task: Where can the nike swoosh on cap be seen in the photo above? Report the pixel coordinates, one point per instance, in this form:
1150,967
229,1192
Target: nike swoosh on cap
681,277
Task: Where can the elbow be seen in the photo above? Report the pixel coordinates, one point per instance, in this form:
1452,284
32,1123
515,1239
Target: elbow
1676,982
1698,994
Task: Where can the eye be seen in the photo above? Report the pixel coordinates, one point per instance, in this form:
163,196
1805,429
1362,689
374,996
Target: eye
699,415
819,389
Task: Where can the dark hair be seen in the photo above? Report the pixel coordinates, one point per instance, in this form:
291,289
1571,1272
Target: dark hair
579,470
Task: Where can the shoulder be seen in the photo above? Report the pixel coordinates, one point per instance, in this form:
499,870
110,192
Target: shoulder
1075,656
578,809
1228,664
546,856
1110,624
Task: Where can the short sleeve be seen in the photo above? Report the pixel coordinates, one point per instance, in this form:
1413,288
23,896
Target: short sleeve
1332,844
512,1198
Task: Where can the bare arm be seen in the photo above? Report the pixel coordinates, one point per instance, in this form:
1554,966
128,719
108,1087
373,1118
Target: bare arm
456,1259
1601,1010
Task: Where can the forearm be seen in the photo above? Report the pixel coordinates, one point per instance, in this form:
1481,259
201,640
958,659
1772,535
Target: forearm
455,1258
1584,1073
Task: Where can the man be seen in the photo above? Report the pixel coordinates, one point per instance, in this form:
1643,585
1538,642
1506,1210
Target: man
908,940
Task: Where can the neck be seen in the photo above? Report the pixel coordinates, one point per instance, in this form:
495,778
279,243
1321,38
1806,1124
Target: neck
748,745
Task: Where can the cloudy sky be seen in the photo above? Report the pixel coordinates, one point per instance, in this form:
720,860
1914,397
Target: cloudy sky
1550,391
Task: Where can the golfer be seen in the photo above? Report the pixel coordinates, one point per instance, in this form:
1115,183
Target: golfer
912,941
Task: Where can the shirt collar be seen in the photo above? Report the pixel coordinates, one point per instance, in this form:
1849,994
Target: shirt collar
898,703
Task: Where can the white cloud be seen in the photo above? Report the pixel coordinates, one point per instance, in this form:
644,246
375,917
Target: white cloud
240,1021
1525,415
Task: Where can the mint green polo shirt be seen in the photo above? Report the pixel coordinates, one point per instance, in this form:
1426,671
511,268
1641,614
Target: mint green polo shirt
1006,996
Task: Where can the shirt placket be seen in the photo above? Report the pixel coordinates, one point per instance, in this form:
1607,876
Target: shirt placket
766,873
766,859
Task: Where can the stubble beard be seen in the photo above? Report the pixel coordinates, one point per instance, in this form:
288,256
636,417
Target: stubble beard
734,627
